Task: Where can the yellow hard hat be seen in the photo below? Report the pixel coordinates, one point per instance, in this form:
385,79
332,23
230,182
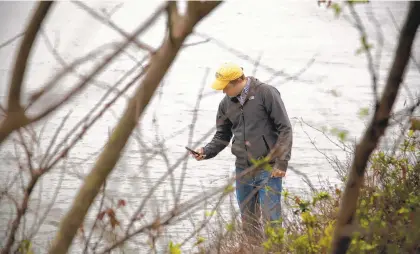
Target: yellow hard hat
226,73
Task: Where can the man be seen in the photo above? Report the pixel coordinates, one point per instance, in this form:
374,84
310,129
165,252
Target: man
254,114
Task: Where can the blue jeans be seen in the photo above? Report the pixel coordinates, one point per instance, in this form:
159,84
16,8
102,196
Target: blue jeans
259,193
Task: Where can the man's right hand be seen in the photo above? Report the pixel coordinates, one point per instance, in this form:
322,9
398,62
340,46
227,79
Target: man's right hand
200,156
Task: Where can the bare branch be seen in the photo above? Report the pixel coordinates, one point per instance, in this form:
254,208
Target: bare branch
21,120
293,76
113,10
85,119
172,18
375,130
87,79
193,202
97,16
168,217
28,153
245,57
11,40
60,127
366,47
23,55
20,214
87,125
191,134
160,63
66,66
416,63
36,226
379,38
254,71
16,120
195,43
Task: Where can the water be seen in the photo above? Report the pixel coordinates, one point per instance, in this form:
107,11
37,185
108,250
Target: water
286,36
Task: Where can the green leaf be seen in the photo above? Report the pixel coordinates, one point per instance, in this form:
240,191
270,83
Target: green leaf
285,193
410,133
335,93
358,1
337,9
267,245
358,51
403,210
264,162
174,248
321,196
230,227
26,247
200,240
228,189
341,134
365,45
363,112
210,213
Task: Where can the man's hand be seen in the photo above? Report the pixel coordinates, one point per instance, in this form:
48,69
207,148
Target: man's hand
278,173
200,155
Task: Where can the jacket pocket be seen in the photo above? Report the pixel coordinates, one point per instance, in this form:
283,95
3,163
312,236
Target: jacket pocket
266,144
259,148
238,150
235,149
268,147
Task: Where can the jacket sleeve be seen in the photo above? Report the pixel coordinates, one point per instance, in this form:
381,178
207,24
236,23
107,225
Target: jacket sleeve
277,112
222,136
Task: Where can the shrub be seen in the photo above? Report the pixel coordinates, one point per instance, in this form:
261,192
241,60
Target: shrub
388,214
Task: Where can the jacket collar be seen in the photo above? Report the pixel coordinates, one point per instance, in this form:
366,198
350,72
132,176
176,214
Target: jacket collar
254,84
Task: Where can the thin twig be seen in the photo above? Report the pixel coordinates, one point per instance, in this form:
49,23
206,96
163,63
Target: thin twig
379,38
108,22
36,227
69,68
417,64
192,130
366,47
20,213
65,65
250,59
63,153
11,40
53,139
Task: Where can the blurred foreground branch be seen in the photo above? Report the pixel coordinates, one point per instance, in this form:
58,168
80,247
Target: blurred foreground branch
19,69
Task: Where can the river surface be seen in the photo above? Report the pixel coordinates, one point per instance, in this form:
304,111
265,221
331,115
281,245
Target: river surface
284,35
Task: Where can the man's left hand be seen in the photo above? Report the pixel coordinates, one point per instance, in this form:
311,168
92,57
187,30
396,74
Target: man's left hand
278,173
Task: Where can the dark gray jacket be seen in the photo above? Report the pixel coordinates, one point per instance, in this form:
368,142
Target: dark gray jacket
256,127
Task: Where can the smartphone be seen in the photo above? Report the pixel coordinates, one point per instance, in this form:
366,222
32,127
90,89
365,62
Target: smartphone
191,150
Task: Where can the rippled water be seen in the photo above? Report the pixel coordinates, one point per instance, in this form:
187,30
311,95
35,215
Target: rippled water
285,35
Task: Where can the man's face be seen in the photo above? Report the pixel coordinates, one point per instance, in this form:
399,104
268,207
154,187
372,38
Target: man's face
233,88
